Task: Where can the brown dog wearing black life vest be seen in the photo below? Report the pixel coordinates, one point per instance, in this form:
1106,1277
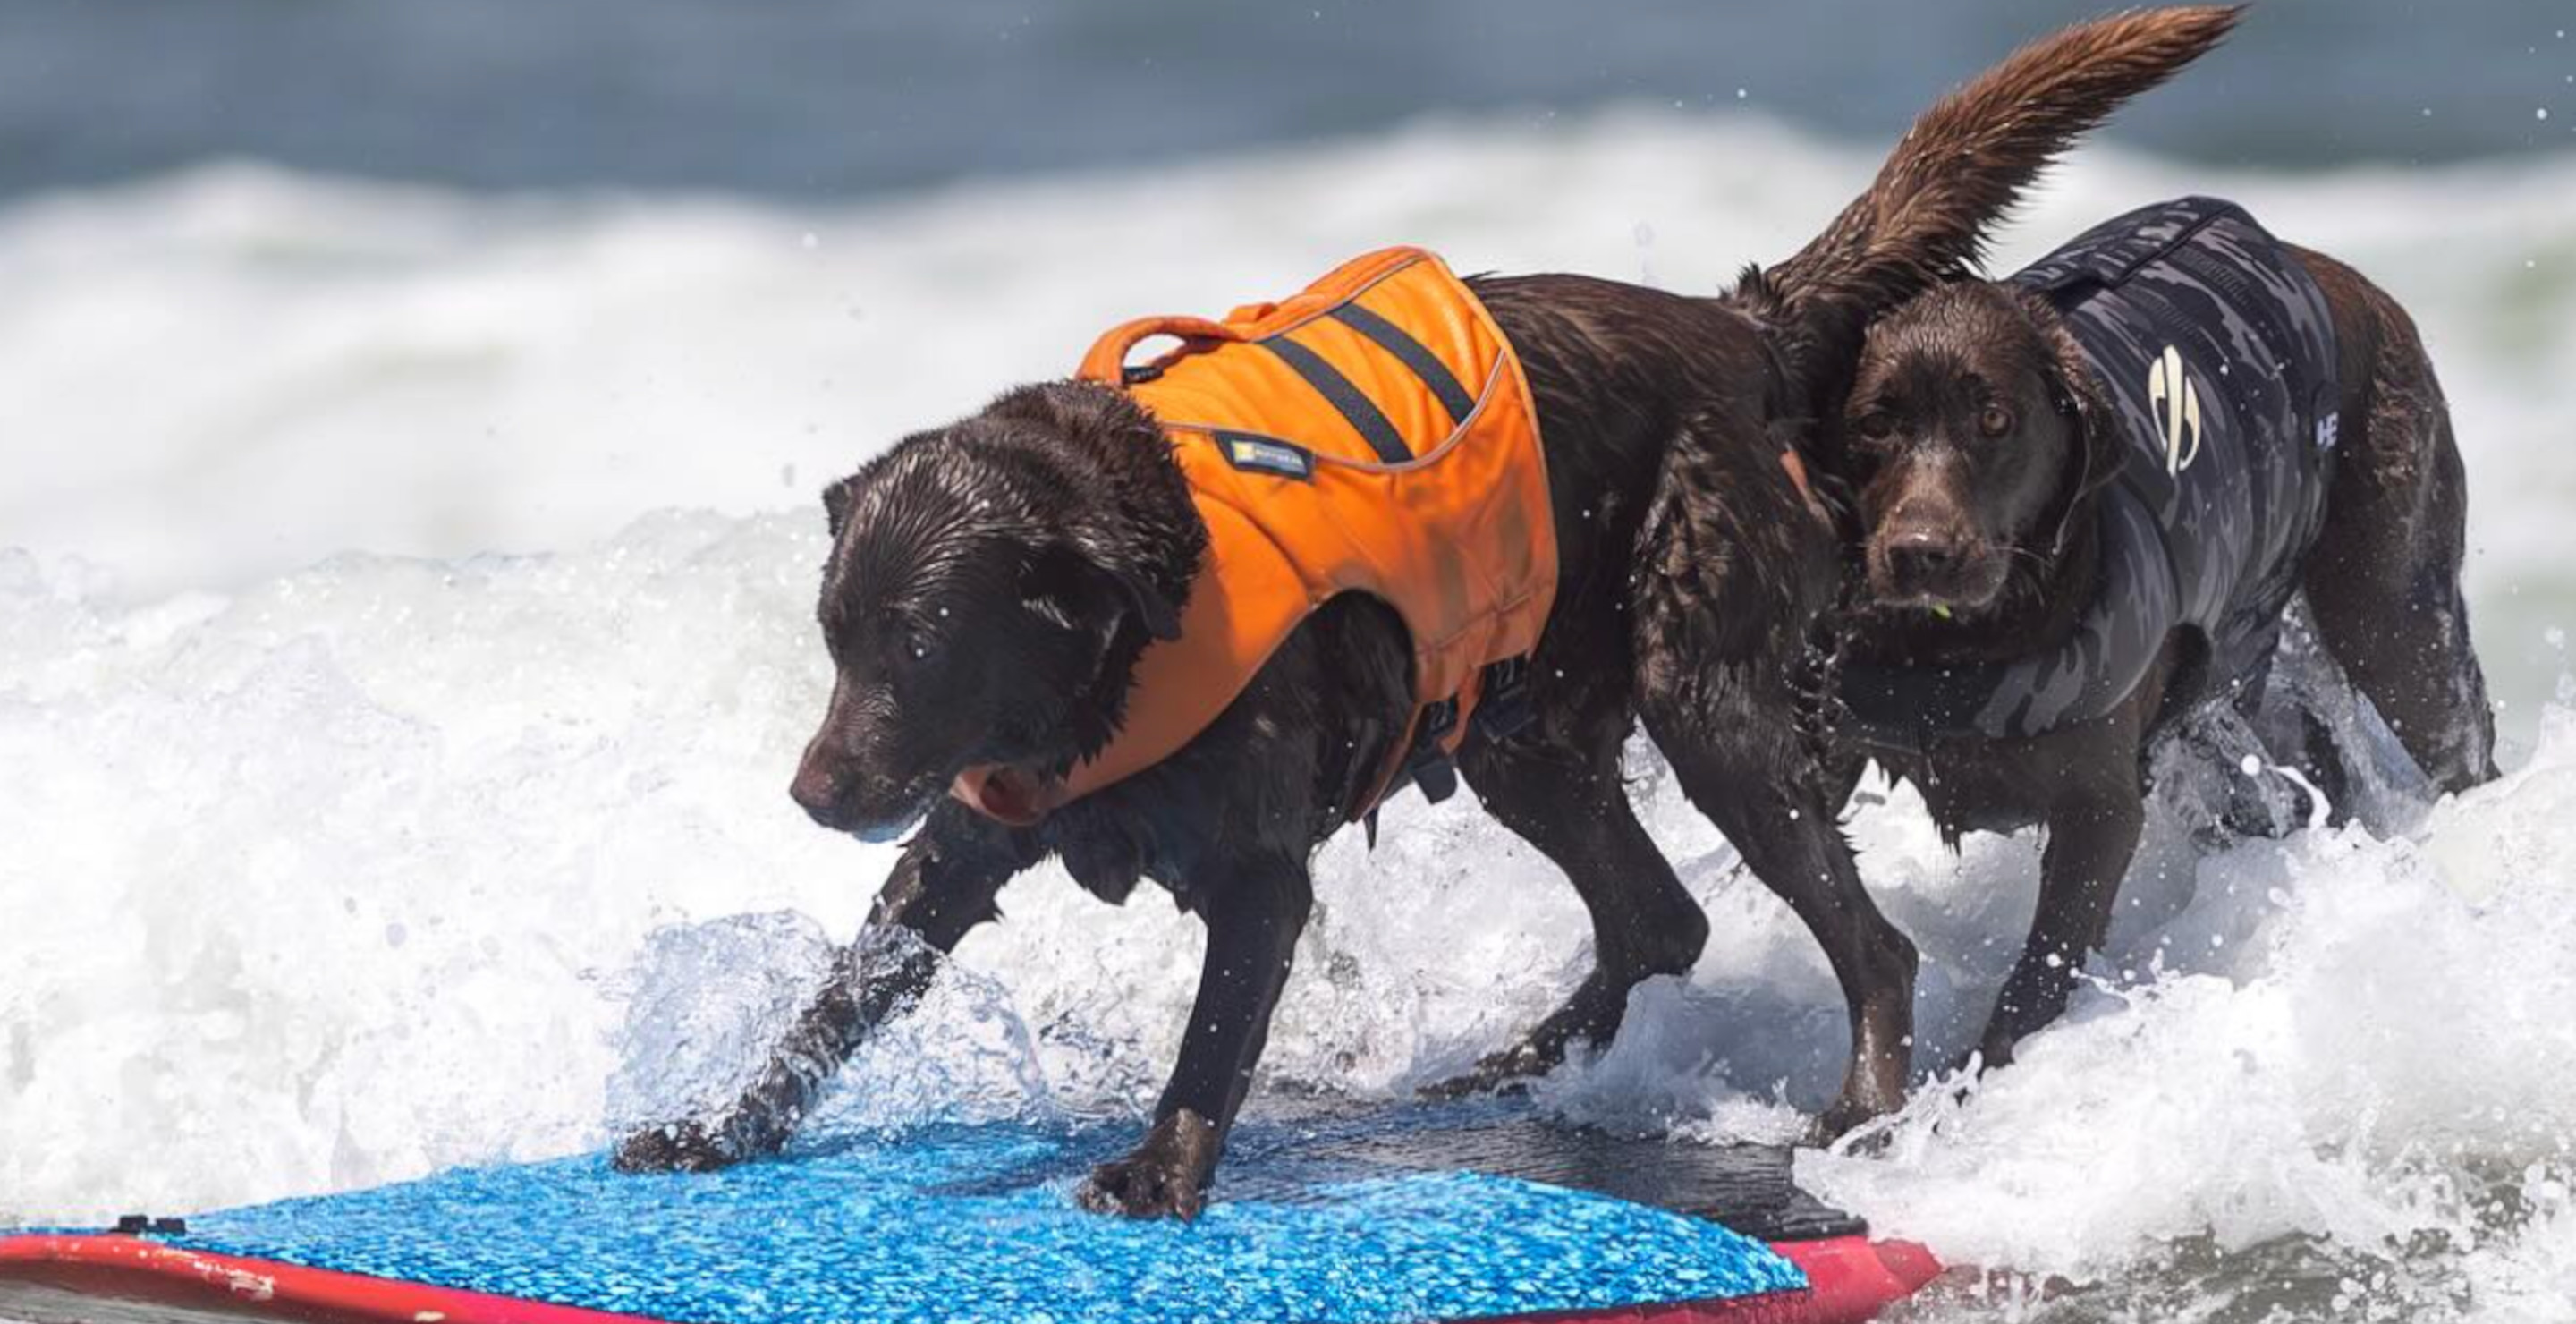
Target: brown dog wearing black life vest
2088,495
996,586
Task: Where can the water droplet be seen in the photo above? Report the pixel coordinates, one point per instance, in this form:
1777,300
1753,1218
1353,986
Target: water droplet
2252,766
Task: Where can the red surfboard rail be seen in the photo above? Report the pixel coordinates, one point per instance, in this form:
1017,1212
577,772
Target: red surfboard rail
1853,1278
128,1268
1850,1280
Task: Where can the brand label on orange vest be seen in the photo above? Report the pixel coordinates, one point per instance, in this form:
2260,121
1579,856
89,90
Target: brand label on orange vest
1266,455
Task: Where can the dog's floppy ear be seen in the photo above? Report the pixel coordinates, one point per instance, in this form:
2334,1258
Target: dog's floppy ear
2075,397
1154,608
1079,582
2098,446
2072,392
836,506
1114,555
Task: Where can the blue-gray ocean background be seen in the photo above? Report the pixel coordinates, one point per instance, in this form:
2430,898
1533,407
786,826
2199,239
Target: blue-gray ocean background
829,98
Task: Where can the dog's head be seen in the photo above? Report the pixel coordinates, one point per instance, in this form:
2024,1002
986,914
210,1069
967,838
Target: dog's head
1967,438
984,602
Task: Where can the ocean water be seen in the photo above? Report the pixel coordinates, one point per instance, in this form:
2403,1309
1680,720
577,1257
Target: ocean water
837,98
409,640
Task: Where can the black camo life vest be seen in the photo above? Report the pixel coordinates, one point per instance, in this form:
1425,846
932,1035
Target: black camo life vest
2216,349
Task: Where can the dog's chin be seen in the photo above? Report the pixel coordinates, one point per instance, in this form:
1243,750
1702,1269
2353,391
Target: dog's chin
1967,600
884,831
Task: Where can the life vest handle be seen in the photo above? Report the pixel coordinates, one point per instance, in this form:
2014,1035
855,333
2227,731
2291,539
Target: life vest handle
1106,363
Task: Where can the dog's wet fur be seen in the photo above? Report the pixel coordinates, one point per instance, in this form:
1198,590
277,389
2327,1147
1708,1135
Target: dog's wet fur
1979,445
992,583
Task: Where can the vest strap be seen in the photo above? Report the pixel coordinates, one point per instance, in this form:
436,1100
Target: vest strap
1429,763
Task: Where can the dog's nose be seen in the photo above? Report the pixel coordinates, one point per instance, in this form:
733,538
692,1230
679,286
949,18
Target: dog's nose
821,791
1923,551
1925,560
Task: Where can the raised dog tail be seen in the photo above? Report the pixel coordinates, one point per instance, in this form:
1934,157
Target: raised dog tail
1962,166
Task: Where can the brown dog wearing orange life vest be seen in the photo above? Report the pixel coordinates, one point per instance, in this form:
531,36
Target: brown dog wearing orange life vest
1184,619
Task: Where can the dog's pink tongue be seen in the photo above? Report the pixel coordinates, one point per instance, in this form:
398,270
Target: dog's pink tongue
1002,793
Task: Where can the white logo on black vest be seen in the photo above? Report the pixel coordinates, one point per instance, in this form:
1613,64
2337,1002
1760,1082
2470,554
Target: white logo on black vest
2176,403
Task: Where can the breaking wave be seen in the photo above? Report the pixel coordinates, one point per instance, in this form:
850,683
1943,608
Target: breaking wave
344,846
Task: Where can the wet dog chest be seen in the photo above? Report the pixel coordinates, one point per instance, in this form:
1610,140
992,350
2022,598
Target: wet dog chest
1979,786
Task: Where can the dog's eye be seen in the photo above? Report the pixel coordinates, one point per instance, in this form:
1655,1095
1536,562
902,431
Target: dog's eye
1876,425
1995,421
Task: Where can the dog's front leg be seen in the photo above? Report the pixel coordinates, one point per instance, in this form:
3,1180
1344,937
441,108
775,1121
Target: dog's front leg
1254,913
942,887
2093,833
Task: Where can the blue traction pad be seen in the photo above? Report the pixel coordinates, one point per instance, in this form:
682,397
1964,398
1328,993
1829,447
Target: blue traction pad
977,1223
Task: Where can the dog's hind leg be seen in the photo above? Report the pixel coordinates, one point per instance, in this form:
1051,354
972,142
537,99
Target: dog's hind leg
940,889
1561,792
1741,763
2384,580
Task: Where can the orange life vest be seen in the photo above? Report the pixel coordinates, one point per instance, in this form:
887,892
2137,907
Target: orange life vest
1371,434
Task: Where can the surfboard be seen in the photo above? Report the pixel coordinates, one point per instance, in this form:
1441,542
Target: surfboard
1480,1211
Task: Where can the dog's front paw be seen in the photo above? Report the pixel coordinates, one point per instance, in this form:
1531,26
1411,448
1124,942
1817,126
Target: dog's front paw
1856,1111
1993,1054
675,1147
1166,1175
1507,1072
1854,1131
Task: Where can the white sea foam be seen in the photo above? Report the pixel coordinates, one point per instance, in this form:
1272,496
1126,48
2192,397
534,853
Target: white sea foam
325,876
